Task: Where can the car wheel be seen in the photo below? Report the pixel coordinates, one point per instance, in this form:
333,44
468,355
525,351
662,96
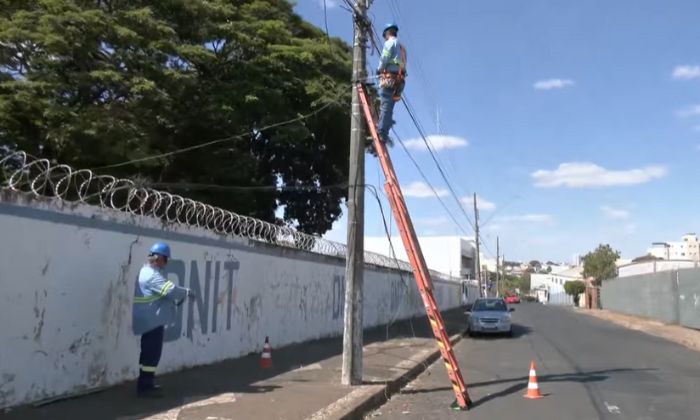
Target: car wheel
510,332
472,334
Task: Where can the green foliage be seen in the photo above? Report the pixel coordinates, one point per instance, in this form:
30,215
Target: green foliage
574,288
95,83
526,279
600,264
647,257
509,283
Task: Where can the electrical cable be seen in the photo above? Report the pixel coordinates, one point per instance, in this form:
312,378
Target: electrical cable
223,140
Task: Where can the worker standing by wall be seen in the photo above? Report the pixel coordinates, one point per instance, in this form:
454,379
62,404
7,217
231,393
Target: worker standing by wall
155,305
392,78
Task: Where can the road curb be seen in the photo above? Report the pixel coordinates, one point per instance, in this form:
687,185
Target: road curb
366,398
678,334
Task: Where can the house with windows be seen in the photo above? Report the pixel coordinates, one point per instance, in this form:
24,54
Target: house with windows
549,287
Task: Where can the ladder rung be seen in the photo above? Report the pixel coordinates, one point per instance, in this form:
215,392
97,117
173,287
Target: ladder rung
415,256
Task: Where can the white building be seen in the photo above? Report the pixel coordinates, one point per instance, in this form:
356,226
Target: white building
451,255
549,288
688,249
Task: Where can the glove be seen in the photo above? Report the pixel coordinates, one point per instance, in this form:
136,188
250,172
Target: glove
191,294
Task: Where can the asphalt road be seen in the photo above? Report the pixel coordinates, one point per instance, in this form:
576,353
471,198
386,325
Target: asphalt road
587,369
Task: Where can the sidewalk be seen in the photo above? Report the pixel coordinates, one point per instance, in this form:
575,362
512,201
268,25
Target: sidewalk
685,336
303,383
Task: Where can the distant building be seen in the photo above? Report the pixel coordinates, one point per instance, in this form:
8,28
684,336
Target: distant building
688,249
549,288
451,255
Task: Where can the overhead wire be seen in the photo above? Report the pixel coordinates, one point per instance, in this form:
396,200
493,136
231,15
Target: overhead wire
428,145
224,139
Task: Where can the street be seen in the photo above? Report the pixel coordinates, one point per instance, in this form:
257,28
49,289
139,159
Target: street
587,369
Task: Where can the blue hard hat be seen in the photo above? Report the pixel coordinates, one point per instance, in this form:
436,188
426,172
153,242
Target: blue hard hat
390,26
161,248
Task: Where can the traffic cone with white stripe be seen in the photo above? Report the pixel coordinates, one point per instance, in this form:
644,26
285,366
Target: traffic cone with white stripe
266,357
533,389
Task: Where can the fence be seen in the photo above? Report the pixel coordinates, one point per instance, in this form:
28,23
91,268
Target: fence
41,178
669,296
73,243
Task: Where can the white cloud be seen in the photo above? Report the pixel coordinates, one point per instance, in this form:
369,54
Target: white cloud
630,229
481,202
527,218
587,174
689,111
686,72
437,142
550,84
613,213
422,190
494,227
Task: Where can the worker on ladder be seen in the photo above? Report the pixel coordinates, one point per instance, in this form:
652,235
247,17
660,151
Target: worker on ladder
392,78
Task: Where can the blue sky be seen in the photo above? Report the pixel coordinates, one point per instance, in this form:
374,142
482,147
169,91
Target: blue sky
577,122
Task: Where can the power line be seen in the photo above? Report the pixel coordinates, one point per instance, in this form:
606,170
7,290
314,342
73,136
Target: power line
325,23
421,131
222,140
217,187
427,181
437,163
392,250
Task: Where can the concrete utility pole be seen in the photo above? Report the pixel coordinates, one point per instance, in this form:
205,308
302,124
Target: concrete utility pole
478,257
354,265
498,271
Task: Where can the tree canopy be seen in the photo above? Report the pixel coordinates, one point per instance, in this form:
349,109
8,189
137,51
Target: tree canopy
96,83
600,263
574,287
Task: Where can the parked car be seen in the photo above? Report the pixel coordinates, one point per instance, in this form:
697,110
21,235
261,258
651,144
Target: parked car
512,299
490,316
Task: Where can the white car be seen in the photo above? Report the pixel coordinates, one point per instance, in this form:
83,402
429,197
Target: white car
490,316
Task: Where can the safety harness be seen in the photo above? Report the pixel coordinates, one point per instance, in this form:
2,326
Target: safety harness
393,80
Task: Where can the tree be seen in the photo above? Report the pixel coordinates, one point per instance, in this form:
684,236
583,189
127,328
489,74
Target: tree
535,264
96,83
600,263
574,288
526,278
647,257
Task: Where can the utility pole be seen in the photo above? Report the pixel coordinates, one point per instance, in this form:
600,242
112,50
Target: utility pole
478,256
498,271
354,264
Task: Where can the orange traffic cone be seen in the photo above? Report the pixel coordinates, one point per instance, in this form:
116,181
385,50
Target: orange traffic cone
533,389
266,357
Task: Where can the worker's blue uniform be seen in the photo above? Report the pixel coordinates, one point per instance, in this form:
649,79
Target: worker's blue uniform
391,65
155,301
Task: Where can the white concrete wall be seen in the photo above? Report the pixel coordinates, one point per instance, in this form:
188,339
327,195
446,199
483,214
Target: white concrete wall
67,276
636,269
555,286
441,253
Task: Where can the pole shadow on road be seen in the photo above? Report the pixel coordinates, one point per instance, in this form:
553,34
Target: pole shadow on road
580,377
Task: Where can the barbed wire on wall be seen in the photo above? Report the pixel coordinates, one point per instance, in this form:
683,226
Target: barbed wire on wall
22,172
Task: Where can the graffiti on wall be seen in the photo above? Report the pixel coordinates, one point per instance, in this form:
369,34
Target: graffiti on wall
338,304
213,283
